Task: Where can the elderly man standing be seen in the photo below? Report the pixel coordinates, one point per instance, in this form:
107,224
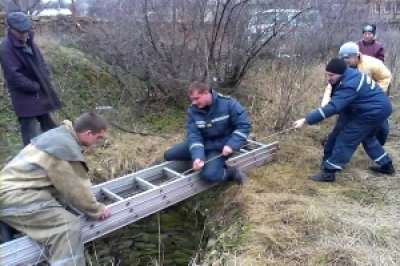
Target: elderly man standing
369,45
28,78
371,66
362,106
217,125
46,175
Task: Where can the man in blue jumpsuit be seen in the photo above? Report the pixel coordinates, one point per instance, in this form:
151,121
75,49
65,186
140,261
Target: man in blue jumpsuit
216,126
362,106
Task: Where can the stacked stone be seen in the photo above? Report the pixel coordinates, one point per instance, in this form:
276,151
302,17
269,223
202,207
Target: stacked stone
138,244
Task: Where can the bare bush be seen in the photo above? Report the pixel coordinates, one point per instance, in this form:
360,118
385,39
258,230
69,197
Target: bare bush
167,46
30,6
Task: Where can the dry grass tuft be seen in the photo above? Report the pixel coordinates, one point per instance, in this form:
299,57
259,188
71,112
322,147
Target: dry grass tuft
295,221
122,153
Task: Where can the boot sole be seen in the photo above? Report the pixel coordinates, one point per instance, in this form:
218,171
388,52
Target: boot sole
382,173
323,180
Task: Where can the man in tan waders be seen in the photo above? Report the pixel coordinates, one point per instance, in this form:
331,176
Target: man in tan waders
46,175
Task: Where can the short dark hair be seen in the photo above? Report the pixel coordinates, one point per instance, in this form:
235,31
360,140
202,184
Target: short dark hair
90,121
199,86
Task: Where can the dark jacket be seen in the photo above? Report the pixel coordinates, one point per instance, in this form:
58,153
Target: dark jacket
224,123
374,49
28,78
357,96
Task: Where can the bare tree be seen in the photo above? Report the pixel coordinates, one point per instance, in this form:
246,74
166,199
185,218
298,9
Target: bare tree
167,45
20,5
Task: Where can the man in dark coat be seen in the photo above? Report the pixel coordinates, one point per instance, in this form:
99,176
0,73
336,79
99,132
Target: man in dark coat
28,78
28,81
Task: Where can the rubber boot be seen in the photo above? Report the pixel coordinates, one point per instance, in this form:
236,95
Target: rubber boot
326,175
235,174
386,169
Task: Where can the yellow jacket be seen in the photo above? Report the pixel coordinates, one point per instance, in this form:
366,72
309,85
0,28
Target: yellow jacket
371,66
43,169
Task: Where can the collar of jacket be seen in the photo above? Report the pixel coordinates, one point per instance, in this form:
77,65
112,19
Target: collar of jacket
360,59
69,126
339,80
16,42
369,43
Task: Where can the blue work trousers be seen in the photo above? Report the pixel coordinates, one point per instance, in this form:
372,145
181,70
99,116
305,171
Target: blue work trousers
383,132
344,139
213,170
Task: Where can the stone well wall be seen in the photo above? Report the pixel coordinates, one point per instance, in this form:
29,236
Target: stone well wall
178,229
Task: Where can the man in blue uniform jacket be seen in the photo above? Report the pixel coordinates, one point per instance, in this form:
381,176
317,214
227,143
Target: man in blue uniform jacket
362,106
216,126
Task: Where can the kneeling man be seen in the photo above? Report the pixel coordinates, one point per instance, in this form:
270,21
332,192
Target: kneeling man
217,125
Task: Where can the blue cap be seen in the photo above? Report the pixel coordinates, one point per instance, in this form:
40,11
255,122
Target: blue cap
19,21
349,49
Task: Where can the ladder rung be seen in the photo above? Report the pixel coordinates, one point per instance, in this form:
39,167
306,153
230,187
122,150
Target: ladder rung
110,195
144,184
172,174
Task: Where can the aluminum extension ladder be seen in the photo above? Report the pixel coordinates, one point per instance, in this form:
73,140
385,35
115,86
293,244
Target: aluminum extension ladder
137,195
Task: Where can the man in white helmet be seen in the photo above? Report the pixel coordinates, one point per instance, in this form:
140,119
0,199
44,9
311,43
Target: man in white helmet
371,66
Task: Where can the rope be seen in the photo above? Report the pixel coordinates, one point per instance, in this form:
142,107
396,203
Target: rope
215,157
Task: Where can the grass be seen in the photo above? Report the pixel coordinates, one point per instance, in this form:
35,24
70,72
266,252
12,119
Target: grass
279,217
295,221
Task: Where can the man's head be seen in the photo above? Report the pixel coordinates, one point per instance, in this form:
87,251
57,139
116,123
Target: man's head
335,69
20,25
90,128
369,32
200,94
350,52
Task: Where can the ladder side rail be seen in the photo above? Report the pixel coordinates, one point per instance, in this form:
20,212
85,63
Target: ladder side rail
253,154
173,197
154,194
262,159
258,143
147,208
141,208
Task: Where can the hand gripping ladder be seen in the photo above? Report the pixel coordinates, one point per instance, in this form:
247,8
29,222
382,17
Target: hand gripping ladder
135,196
